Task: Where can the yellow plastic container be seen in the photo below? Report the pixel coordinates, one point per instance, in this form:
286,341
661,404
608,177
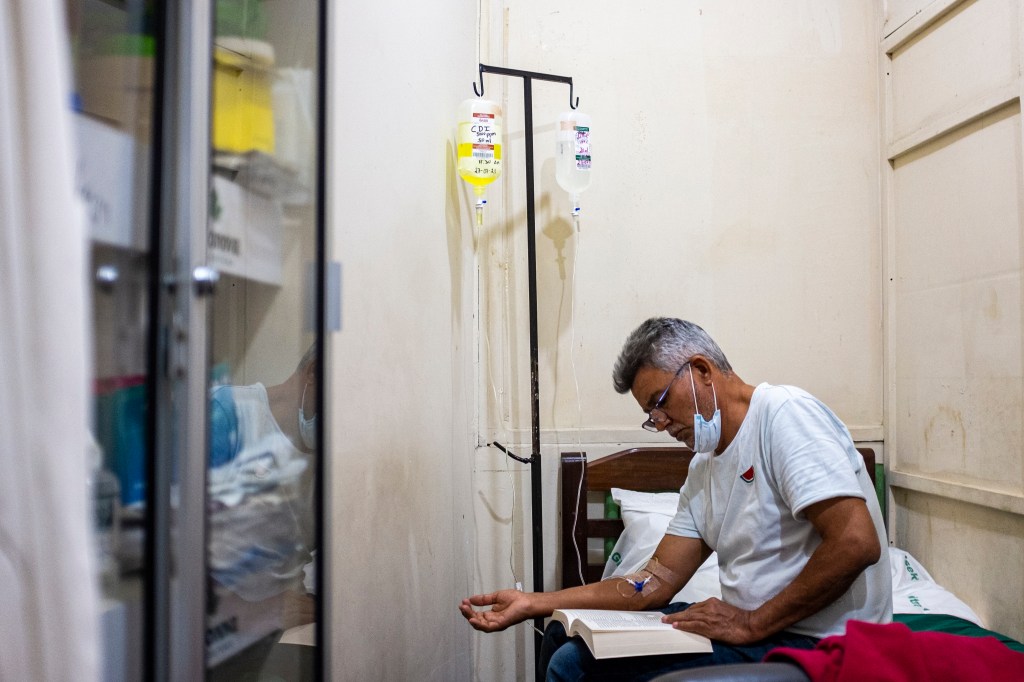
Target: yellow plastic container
479,147
243,112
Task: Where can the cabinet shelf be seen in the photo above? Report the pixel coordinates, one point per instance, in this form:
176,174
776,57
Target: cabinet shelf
244,233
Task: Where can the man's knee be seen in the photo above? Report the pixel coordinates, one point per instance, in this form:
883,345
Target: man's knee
562,658
554,637
566,664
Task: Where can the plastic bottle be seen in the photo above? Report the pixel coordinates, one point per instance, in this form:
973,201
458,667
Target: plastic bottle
479,147
572,157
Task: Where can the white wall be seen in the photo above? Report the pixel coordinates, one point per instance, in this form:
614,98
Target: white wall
736,184
401,390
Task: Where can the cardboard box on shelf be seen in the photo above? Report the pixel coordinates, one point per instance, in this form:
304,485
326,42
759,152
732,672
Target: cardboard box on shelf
237,625
245,232
112,177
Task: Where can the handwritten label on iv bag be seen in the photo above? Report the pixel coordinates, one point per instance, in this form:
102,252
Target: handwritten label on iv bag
479,147
573,149
582,148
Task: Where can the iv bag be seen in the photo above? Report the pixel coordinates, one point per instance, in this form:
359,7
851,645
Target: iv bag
479,146
572,155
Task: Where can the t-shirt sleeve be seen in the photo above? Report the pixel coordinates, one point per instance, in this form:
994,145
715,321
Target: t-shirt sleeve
811,456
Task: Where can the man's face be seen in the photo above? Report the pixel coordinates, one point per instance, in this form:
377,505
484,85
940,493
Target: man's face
675,414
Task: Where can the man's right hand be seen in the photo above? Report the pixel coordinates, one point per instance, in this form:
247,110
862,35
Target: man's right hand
508,607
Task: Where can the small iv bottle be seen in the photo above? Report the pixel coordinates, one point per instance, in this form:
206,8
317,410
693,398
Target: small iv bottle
572,157
479,147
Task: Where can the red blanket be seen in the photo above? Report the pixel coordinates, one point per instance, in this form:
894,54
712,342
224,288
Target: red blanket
894,653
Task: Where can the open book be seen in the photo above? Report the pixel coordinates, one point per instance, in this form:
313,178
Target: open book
613,634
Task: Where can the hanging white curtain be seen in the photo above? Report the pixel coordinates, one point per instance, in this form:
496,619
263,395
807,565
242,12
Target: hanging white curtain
48,594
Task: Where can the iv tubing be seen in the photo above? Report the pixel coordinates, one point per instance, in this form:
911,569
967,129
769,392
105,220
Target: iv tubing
480,203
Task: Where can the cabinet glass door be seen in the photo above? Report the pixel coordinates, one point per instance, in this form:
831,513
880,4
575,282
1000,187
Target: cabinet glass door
113,58
265,379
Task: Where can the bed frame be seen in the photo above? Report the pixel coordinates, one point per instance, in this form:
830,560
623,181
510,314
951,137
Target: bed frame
647,469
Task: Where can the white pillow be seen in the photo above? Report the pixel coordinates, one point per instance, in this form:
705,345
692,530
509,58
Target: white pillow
634,504
636,544
914,590
646,517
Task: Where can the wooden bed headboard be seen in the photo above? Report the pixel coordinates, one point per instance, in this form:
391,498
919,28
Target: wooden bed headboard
647,469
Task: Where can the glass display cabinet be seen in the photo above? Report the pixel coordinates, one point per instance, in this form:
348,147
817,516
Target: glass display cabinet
199,127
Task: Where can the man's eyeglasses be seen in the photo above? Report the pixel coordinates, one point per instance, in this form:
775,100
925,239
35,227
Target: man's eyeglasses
652,422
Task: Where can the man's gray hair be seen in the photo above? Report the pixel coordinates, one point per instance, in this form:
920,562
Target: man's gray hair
664,343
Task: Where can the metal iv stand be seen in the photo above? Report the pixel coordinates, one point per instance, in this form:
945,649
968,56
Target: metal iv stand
531,224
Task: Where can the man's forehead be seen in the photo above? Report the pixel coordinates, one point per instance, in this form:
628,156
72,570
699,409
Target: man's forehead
648,380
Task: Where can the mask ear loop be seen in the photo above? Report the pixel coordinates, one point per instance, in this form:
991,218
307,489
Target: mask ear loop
693,387
304,423
302,400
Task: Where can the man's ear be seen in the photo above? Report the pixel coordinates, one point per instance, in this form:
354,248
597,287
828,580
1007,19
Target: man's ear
701,369
309,374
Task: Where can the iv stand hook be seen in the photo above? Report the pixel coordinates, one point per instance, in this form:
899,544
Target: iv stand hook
572,104
479,91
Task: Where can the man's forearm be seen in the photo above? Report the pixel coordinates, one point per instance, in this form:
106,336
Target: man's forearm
613,593
828,574
849,544
652,586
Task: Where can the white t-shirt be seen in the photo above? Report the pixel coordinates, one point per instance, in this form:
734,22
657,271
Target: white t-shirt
790,452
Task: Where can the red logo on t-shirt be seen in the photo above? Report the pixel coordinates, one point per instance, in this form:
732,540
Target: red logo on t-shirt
748,475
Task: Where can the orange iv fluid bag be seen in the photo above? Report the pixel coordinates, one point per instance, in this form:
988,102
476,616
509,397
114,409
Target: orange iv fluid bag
479,146
572,156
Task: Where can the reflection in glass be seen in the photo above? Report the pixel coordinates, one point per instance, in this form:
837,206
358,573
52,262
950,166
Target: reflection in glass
262,524
264,378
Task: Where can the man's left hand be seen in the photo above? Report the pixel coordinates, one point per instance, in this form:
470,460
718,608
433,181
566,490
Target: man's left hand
717,620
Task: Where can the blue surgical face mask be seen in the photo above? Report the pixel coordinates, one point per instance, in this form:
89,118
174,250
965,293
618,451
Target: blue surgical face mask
706,434
307,427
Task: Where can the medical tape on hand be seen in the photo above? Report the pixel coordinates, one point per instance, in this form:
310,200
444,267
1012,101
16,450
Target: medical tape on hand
648,579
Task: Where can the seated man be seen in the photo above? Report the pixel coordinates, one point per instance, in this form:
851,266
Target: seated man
776,488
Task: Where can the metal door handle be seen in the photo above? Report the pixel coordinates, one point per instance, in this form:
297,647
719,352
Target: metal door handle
204,279
107,276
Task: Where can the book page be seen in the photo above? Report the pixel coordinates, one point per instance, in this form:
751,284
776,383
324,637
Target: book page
624,620
599,620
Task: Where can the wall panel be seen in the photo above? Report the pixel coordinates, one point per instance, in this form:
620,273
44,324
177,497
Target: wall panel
954,339
957,297
974,550
966,54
